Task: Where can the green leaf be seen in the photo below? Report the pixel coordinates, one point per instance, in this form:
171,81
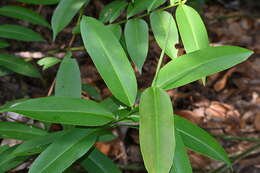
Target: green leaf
13,130
65,110
18,65
4,71
199,140
16,32
48,62
195,65
8,160
68,81
37,144
136,37
165,32
118,74
192,29
112,11
64,13
181,162
12,164
23,14
44,2
92,91
64,151
156,132
155,3
107,137
116,29
4,44
97,162
141,5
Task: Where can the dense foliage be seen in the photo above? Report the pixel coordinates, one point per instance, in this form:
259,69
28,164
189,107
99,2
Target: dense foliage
163,136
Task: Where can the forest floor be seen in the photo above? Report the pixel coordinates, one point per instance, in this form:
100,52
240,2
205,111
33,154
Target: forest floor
228,106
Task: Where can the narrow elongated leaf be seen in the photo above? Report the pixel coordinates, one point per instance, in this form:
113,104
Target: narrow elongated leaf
23,14
12,164
181,162
19,33
6,156
97,162
4,71
13,130
64,13
199,140
68,81
18,65
141,5
112,11
48,62
4,44
64,110
165,32
136,37
156,119
116,29
64,151
118,74
37,144
44,2
195,65
192,29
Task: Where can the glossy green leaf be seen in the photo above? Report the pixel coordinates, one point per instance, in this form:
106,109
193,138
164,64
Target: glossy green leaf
8,160
165,32
13,163
92,91
116,29
64,13
195,65
48,62
181,162
44,2
13,130
199,140
118,74
141,5
112,11
65,110
97,162
18,65
37,144
16,32
136,37
23,14
68,81
156,132
4,71
4,44
64,151
192,29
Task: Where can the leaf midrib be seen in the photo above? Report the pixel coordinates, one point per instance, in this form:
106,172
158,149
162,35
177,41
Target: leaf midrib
114,69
